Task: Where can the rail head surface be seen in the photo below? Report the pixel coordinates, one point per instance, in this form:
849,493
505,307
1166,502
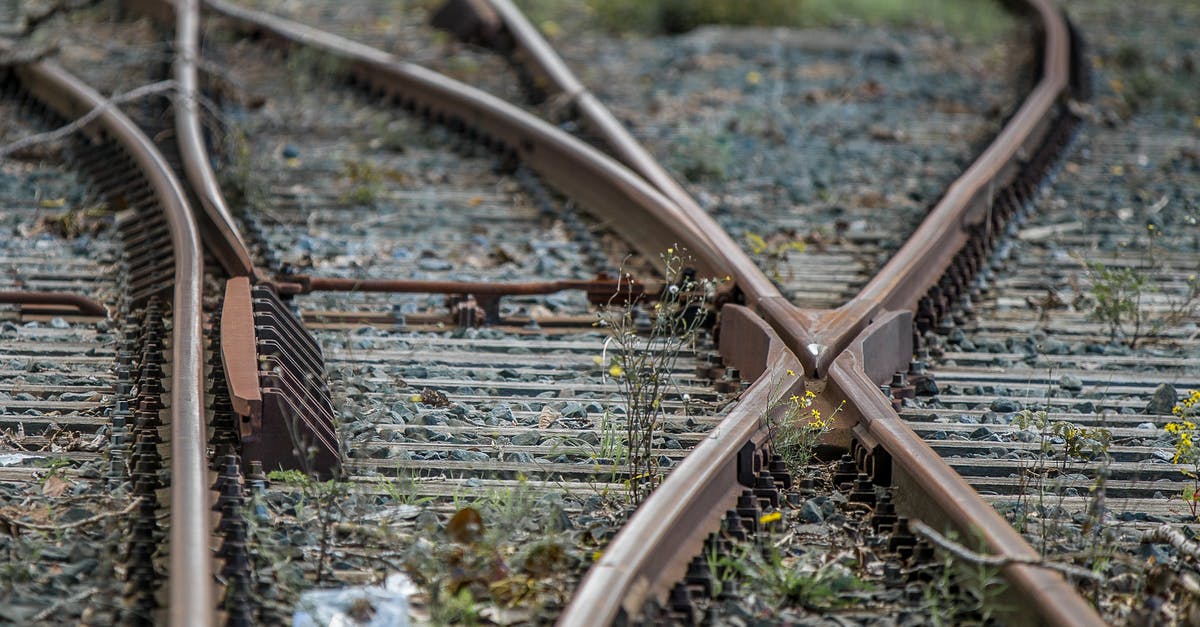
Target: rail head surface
191,594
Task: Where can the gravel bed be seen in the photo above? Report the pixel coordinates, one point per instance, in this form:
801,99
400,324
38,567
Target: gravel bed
63,524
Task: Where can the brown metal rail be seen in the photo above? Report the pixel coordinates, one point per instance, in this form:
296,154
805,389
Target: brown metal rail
191,595
880,319
82,304
648,556
616,196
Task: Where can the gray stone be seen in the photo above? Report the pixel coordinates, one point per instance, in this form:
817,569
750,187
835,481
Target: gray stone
811,512
1005,405
502,412
1070,383
529,438
1163,400
468,456
981,433
434,418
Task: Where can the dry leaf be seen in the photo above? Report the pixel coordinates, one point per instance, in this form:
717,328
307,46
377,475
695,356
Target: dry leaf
466,526
54,486
547,417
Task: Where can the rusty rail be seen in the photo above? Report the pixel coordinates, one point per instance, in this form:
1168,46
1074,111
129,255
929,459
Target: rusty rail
82,304
616,196
651,216
878,323
190,584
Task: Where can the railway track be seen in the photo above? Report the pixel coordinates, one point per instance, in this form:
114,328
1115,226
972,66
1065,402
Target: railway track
147,419
333,357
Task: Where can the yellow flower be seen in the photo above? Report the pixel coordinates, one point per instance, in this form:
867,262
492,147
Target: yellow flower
791,373
596,555
769,518
416,398
809,394
670,251
816,414
615,370
753,78
793,398
597,360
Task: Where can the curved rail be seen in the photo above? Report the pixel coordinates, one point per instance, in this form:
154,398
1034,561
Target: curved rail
222,234
191,595
620,198
877,325
878,322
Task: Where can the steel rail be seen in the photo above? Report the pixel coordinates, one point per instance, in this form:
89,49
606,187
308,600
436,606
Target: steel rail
615,195
84,305
870,324
191,594
876,324
222,235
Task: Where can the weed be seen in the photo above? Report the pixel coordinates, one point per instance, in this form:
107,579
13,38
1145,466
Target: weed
323,497
772,252
644,354
725,569
791,580
963,593
366,180
798,430
1060,443
1186,453
1120,295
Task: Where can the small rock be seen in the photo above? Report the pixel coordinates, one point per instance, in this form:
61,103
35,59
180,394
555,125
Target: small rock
503,413
432,264
59,323
1070,383
529,438
811,512
1149,426
468,456
1163,400
926,387
290,151
1005,406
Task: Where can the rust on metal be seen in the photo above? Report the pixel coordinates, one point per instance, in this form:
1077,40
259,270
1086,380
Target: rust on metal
82,304
485,295
297,412
190,590
239,355
599,290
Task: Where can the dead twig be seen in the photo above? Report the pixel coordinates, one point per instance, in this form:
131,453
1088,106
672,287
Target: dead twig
967,555
1166,535
75,126
13,522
